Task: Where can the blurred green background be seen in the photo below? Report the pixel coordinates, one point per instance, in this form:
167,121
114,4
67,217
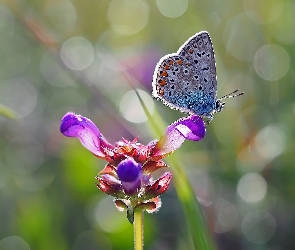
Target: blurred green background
61,55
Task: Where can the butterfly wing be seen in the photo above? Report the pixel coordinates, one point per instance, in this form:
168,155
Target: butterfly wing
186,80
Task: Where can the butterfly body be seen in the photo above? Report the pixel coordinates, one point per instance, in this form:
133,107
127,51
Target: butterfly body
187,80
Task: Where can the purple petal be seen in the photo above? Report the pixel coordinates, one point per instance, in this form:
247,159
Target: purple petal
189,128
112,181
129,173
73,125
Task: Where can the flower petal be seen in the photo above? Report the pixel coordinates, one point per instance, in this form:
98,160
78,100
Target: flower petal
146,206
129,173
108,169
152,166
121,205
157,202
111,180
191,128
109,188
159,186
73,125
188,128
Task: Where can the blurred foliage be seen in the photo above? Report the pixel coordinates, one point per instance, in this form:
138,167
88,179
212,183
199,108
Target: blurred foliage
59,56
7,112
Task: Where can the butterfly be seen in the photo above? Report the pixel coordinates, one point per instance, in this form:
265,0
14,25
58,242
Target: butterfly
187,80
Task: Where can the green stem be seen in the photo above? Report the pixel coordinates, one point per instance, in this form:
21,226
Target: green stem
200,235
138,230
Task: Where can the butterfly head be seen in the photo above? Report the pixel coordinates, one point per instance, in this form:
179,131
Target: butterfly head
219,105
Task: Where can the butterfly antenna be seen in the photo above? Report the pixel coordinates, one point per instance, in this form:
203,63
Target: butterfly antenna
231,95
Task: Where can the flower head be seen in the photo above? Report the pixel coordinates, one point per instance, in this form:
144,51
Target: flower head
128,174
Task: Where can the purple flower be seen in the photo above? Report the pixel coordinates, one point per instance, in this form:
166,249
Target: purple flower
128,174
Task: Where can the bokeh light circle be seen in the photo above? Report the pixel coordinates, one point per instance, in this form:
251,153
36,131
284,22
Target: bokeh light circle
270,142
104,212
226,216
258,226
19,95
237,38
271,62
13,243
77,53
131,108
172,8
24,154
262,13
54,73
128,17
252,187
62,14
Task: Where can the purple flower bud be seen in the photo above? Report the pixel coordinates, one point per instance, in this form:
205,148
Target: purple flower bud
129,173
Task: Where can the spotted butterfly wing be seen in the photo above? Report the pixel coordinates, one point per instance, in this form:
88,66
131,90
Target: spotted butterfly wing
186,80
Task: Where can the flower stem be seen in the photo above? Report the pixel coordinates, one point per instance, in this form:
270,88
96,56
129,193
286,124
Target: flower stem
138,230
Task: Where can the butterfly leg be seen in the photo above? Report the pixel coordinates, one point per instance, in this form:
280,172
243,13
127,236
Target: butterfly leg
210,118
